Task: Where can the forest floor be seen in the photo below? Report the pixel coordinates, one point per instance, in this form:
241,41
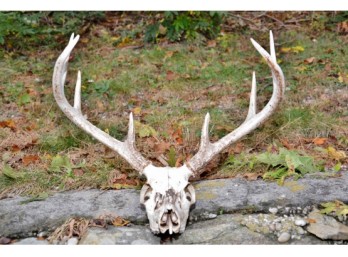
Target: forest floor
170,87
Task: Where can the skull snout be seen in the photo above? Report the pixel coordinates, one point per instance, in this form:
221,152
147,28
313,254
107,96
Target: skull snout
169,221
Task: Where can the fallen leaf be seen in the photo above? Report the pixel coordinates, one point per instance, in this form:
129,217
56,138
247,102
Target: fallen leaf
161,147
170,75
285,143
162,30
319,140
342,28
251,176
311,221
238,148
78,172
30,159
100,223
15,148
4,240
168,54
335,154
120,222
8,124
293,49
211,43
309,60
137,111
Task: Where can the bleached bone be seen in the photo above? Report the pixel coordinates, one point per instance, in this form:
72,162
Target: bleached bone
167,194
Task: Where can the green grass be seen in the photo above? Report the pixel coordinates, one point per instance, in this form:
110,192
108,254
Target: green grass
206,79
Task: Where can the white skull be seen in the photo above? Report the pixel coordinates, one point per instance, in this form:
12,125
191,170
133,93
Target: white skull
167,196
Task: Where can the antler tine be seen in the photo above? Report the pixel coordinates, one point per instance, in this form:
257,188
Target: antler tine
77,96
126,149
252,105
253,119
205,132
131,132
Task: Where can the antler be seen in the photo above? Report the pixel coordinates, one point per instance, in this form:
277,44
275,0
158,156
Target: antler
126,149
207,150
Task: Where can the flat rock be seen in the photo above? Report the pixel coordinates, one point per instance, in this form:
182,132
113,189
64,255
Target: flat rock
213,197
134,235
31,241
225,229
326,227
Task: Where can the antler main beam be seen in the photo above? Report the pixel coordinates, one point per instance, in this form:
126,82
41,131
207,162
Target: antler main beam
126,149
207,150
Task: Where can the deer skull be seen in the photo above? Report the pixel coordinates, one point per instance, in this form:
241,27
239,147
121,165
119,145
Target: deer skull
167,197
167,194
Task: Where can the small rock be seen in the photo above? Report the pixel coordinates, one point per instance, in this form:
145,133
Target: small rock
300,231
327,227
73,241
300,222
284,237
273,210
212,216
278,226
42,234
31,241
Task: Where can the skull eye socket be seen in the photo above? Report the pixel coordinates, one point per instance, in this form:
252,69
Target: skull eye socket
190,194
145,193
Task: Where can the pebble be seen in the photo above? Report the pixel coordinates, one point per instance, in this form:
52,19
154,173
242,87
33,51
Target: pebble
284,237
300,222
212,216
278,226
300,231
273,210
42,234
73,241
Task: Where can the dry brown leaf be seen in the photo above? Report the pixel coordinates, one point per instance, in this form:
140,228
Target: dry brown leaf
168,54
78,172
311,221
211,43
238,148
319,140
309,60
8,124
161,147
285,143
120,222
30,159
251,176
170,75
342,28
15,148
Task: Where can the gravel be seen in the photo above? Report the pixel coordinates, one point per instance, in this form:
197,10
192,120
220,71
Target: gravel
284,237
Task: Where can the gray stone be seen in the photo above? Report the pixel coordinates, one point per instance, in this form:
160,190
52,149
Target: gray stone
273,210
225,229
73,241
284,237
326,227
300,222
42,234
31,241
213,196
119,236
17,219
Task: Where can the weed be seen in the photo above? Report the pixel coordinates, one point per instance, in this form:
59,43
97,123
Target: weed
287,163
